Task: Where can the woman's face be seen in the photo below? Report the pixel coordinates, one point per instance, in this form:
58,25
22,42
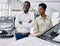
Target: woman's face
41,10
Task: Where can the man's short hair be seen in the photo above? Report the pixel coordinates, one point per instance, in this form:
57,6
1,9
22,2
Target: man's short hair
43,5
27,3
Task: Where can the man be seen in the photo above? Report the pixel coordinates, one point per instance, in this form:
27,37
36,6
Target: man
24,22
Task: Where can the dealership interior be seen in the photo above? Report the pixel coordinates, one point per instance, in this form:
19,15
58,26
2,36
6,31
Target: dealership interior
9,9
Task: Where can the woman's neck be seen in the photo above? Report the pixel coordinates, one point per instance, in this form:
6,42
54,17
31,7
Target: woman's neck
43,16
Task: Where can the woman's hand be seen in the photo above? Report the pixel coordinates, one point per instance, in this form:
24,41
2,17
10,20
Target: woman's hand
36,34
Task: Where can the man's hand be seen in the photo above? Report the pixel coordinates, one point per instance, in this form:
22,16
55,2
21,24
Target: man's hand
30,21
20,22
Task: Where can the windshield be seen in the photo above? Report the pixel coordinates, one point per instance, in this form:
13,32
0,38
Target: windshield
52,33
6,19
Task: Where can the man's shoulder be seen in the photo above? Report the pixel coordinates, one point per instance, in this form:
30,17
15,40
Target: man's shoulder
21,12
31,12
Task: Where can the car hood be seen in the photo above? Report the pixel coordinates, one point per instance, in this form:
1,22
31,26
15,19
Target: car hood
5,25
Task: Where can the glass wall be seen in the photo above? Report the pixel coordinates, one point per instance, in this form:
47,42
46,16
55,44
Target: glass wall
4,9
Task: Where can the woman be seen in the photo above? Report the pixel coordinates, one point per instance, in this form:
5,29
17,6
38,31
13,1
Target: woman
43,22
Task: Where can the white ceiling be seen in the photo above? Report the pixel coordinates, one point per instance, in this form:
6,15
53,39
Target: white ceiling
39,0
4,1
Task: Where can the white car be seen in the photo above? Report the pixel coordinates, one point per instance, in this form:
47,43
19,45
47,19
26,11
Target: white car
49,38
52,35
31,41
6,27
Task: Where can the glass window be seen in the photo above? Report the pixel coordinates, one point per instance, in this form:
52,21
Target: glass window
4,9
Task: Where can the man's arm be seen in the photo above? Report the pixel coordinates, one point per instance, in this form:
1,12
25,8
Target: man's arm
30,23
18,23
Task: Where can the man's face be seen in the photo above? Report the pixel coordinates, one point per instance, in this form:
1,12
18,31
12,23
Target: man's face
26,6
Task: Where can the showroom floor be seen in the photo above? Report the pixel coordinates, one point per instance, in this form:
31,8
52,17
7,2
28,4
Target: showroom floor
4,41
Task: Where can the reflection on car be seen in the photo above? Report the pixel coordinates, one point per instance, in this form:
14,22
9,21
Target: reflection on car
6,26
51,34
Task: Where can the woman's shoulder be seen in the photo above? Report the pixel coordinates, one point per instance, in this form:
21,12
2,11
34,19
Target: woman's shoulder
48,17
37,18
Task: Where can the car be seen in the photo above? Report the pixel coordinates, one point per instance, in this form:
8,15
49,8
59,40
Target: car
31,41
52,35
7,26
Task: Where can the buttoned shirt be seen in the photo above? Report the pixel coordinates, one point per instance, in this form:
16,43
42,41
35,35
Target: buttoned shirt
41,25
24,18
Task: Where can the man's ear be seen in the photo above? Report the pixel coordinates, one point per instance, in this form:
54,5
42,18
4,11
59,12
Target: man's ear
44,9
29,6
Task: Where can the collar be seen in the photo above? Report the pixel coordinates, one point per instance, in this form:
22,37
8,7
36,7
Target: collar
46,17
27,13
